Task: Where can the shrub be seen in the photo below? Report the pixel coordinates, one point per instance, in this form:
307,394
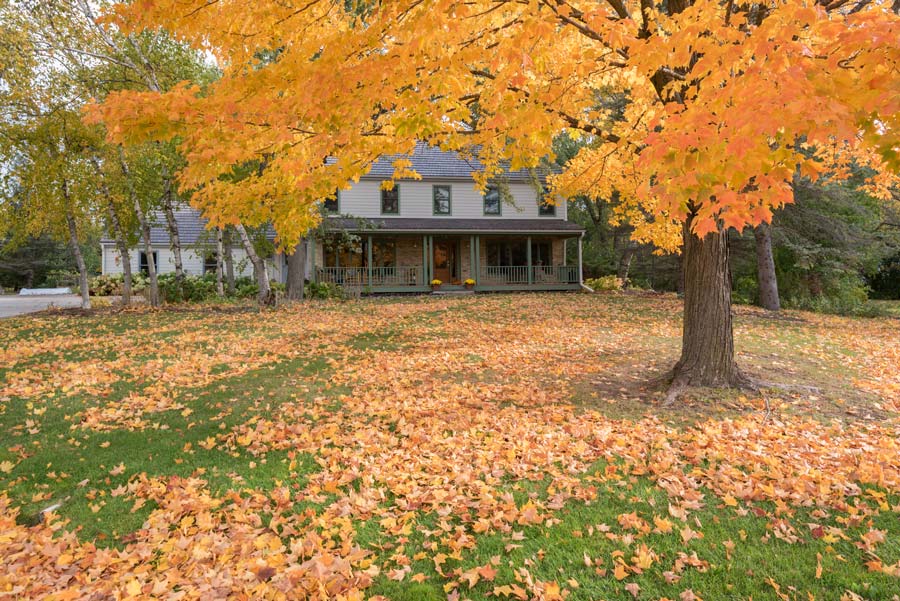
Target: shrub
111,284
323,290
193,289
607,282
59,278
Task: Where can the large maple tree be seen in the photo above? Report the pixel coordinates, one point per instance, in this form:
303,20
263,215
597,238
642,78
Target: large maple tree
725,103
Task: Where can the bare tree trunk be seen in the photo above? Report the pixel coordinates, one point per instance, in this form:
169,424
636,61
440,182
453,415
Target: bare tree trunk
296,272
707,346
625,260
265,296
115,225
220,251
229,262
765,268
174,240
124,254
145,232
79,258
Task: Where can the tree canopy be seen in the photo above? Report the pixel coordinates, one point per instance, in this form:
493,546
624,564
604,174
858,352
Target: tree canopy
724,101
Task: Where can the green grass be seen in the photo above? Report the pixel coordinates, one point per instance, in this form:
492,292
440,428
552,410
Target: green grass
56,460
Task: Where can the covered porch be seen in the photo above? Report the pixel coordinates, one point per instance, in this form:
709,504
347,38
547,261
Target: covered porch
393,262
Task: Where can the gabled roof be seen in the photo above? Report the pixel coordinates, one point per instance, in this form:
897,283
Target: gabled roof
191,229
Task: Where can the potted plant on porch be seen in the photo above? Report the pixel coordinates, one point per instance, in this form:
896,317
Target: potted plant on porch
470,283
436,284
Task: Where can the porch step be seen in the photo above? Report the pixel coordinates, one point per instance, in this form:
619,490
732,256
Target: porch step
453,292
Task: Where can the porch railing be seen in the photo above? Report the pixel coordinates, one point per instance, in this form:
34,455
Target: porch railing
503,274
554,274
381,276
492,275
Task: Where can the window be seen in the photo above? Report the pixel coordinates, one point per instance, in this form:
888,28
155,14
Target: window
541,254
512,253
441,196
384,252
145,265
390,201
546,207
344,253
332,204
210,263
492,201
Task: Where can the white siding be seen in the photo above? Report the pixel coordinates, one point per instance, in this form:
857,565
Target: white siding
192,261
364,200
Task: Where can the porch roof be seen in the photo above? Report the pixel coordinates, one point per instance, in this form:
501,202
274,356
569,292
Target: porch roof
457,226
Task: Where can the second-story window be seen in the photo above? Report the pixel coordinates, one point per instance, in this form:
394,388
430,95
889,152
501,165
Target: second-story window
546,206
441,196
332,204
492,201
390,201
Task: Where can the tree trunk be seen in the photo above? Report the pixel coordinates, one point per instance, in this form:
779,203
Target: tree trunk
229,262
220,252
174,240
707,344
115,225
625,261
265,296
124,254
79,259
145,232
296,272
765,268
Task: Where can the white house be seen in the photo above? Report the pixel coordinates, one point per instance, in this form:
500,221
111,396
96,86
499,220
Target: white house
440,227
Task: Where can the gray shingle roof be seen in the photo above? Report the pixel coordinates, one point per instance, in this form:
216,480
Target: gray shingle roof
440,224
433,163
191,229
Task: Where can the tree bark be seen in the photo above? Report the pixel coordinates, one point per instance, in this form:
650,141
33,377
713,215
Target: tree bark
174,240
765,268
625,261
220,251
124,253
229,262
296,272
145,233
79,258
115,225
707,346
265,296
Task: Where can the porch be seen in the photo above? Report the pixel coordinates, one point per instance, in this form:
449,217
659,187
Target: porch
394,263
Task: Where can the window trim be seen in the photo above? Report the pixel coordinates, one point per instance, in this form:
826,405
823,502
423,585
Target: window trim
449,200
381,200
499,212
337,200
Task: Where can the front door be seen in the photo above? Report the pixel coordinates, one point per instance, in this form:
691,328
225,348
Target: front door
445,268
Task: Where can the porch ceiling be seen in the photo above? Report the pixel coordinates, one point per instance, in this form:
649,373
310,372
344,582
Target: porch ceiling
457,226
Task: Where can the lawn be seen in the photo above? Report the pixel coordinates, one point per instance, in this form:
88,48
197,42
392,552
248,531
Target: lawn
498,446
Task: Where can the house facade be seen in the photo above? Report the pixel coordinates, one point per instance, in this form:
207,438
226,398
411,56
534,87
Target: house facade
439,227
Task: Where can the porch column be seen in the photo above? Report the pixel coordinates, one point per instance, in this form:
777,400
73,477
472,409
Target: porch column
313,277
477,260
430,259
369,261
472,257
528,260
580,273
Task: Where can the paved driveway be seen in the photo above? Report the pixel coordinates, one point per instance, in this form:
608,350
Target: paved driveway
20,305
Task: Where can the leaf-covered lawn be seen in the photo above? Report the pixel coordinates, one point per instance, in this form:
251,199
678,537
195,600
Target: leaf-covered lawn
502,446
